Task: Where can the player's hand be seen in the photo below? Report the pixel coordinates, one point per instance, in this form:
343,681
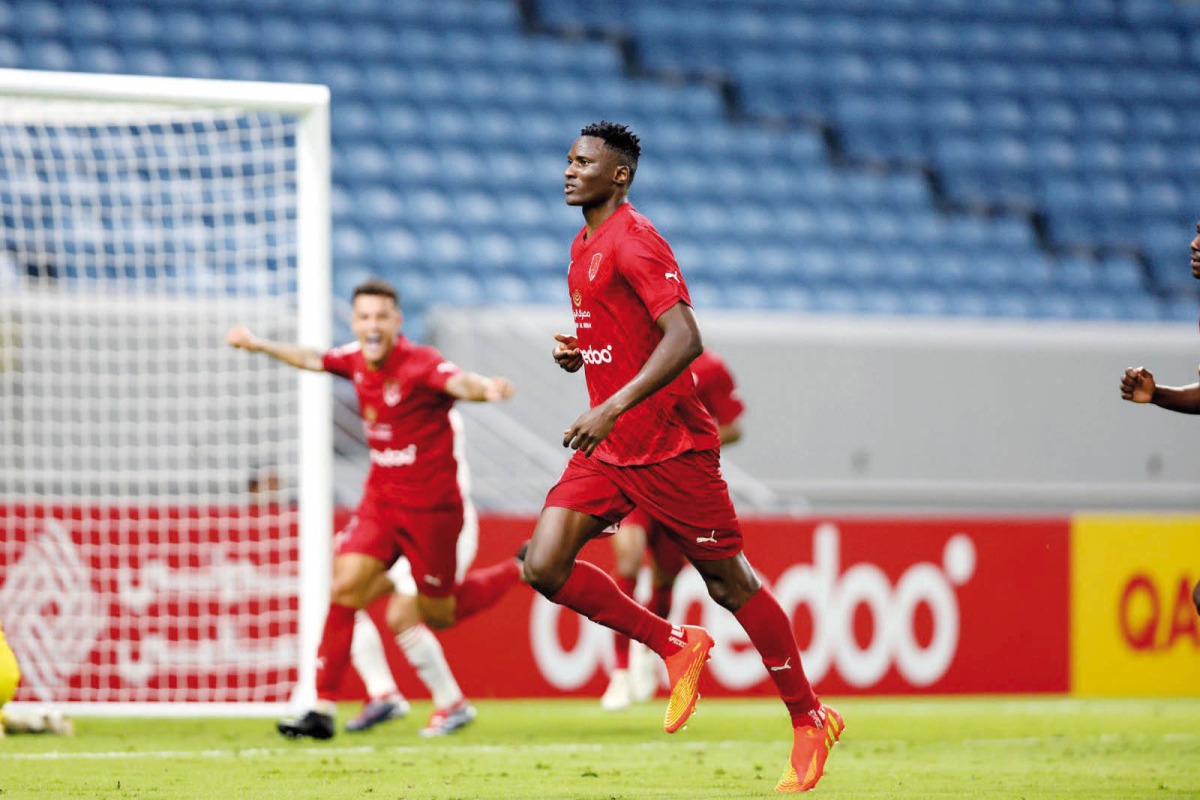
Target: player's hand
1137,385
566,353
498,389
239,336
590,430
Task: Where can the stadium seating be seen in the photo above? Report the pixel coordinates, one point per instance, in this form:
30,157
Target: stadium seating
1069,110
1024,158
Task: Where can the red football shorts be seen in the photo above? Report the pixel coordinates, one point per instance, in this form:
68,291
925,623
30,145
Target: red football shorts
387,531
662,548
686,494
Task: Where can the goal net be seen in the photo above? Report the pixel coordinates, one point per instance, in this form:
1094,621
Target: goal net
163,497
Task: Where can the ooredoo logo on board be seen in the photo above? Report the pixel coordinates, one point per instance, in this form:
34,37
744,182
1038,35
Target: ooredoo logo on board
878,606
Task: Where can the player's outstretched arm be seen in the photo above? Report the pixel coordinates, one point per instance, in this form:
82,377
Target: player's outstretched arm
478,388
679,347
291,354
1138,386
567,353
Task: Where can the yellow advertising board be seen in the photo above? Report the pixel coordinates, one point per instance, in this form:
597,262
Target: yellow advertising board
1134,625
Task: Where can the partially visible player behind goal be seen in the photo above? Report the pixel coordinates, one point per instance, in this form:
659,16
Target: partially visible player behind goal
35,720
420,646
411,504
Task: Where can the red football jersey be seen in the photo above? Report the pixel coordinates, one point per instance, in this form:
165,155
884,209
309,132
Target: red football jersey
716,389
405,412
621,279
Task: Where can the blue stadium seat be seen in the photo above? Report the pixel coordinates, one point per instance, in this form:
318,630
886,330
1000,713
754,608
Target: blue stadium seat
11,54
397,246
351,244
916,123
503,288
835,299
380,206
40,20
429,206
792,298
1123,274
48,54
88,58
1178,308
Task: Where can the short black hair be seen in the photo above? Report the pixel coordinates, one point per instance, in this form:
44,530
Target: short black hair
378,287
619,138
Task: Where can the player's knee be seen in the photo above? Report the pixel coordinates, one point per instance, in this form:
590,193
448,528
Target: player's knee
436,612
1196,596
347,593
723,595
544,574
439,621
731,592
402,612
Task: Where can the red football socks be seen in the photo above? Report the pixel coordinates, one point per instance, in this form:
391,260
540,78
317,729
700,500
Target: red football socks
483,587
333,654
620,641
593,594
770,632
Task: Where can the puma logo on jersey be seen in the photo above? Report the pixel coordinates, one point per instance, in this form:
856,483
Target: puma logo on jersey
433,580
786,665
710,539
671,276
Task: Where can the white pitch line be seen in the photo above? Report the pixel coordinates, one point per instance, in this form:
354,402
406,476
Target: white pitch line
566,747
340,751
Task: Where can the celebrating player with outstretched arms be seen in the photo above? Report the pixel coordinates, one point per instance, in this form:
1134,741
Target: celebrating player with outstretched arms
412,504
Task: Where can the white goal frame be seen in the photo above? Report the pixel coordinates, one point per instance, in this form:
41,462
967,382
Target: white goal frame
309,104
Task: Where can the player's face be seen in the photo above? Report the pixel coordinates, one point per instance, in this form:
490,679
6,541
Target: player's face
375,321
593,173
1196,253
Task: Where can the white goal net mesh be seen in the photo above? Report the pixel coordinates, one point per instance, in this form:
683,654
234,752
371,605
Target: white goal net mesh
148,473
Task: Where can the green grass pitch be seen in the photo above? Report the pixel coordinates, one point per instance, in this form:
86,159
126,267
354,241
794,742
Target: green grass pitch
893,748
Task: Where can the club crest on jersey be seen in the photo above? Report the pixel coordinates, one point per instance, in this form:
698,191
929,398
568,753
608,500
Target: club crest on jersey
370,415
577,297
594,267
391,391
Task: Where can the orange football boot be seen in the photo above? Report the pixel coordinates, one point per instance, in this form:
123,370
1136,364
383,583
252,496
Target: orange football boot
683,672
810,748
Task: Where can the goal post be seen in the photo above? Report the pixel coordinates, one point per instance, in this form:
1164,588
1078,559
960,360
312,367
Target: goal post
165,501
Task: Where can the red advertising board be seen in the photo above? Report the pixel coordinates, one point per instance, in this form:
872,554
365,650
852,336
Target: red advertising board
879,606
200,605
